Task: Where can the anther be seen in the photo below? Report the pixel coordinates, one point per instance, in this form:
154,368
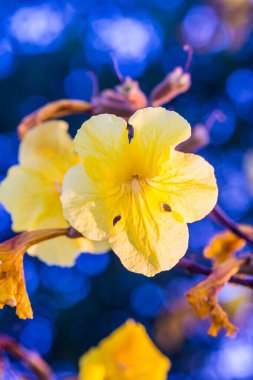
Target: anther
116,68
116,220
216,115
189,51
166,207
130,130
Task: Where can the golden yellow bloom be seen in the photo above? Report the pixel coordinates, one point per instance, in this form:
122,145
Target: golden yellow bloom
12,281
31,192
127,354
133,188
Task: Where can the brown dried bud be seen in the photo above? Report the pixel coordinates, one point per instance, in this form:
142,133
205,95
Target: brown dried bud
52,110
175,83
200,136
123,100
199,139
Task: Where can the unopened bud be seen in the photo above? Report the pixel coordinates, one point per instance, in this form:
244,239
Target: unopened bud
123,100
201,133
175,83
199,138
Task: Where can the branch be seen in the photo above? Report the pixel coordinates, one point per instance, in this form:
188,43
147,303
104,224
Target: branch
225,221
30,358
195,268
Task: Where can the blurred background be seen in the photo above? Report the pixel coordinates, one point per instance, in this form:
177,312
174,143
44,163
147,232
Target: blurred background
47,49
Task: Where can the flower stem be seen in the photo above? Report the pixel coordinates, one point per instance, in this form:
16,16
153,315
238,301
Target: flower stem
195,268
225,221
29,358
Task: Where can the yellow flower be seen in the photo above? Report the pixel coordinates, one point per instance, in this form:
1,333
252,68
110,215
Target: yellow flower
133,188
127,354
31,192
12,281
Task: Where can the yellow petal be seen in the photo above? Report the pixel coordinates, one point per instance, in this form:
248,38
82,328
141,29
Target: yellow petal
149,243
82,206
128,353
32,200
146,238
189,185
156,131
48,148
63,251
101,136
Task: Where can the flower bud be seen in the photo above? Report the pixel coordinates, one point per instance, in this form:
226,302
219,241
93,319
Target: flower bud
123,100
175,83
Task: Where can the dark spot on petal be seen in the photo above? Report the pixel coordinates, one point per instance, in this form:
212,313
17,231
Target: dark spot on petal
166,207
130,130
116,220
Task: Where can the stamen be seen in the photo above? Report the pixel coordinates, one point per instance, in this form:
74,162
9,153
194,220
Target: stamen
130,130
166,207
116,68
216,115
189,51
95,86
116,220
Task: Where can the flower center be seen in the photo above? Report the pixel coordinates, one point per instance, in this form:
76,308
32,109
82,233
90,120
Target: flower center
135,183
58,185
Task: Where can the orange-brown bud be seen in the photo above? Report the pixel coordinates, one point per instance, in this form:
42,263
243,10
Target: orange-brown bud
123,100
52,110
175,83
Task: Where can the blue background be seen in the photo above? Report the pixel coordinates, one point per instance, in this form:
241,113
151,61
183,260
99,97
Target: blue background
47,49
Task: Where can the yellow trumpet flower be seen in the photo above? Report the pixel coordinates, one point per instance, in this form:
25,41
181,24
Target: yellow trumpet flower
31,192
127,354
133,188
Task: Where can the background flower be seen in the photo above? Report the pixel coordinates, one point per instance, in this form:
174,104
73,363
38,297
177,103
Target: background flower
31,192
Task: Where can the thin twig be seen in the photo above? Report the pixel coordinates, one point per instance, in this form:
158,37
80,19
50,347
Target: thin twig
225,221
195,268
30,358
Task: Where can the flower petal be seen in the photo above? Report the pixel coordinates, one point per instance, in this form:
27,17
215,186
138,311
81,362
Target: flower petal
82,205
149,242
102,136
31,199
121,356
189,185
48,148
63,251
156,130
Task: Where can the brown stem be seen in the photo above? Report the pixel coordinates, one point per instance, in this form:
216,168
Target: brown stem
195,268
53,110
225,221
29,358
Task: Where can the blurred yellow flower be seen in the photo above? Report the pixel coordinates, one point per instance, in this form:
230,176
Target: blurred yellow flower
127,354
12,281
31,192
133,188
